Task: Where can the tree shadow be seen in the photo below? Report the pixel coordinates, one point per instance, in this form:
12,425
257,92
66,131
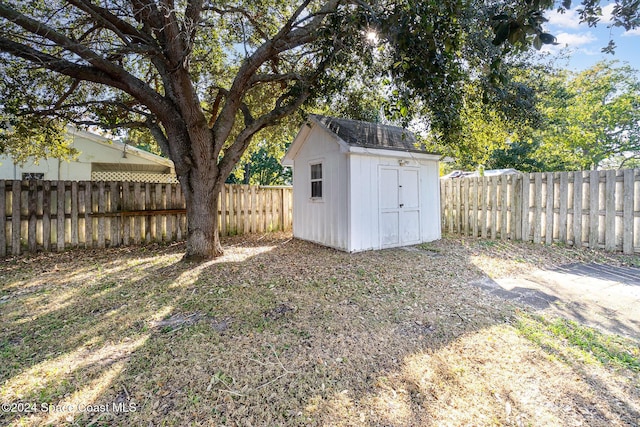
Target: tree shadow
280,332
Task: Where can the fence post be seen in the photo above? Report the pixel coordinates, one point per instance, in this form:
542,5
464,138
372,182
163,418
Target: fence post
3,218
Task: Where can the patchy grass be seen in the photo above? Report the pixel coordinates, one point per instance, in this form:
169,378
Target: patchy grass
570,341
284,332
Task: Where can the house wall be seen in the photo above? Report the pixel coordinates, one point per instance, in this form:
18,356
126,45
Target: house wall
322,221
92,148
52,169
364,199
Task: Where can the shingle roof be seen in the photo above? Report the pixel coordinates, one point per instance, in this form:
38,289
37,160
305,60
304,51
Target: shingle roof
370,135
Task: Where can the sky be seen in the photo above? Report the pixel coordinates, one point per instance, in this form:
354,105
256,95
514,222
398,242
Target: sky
584,43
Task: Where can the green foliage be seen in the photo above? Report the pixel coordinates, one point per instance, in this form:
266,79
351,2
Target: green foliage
577,122
262,167
593,116
425,57
41,139
141,138
519,154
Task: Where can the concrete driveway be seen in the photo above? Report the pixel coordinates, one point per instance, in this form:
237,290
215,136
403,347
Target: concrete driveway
597,295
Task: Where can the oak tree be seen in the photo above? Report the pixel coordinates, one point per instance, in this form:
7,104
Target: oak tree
206,76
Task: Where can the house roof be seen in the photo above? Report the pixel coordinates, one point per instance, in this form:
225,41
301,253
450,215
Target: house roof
369,135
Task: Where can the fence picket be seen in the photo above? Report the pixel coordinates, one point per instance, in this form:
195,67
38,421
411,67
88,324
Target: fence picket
577,209
494,206
16,198
537,215
474,207
74,214
32,205
562,217
504,208
594,208
627,212
88,209
483,210
516,207
60,233
526,210
610,211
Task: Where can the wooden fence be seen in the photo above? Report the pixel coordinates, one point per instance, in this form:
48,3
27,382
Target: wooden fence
57,215
595,209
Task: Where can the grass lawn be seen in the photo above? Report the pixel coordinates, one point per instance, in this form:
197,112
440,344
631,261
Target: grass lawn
280,332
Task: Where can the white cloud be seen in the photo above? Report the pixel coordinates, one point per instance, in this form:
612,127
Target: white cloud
607,12
631,33
576,40
571,20
571,40
567,20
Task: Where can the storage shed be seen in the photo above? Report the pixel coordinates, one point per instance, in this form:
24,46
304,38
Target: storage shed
359,186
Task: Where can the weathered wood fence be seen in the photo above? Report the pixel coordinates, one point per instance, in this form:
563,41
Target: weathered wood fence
57,215
595,209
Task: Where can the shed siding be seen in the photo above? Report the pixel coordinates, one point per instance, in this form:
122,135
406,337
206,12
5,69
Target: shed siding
322,221
430,200
364,216
365,205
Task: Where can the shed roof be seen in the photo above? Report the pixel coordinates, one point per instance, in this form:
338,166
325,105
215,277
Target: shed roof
369,135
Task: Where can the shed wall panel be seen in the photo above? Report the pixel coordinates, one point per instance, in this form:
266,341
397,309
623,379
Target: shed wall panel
365,199
321,220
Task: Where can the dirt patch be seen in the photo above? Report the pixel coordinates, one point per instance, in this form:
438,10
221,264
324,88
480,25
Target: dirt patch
284,332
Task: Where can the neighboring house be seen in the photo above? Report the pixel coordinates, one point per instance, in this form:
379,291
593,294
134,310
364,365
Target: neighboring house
360,186
99,159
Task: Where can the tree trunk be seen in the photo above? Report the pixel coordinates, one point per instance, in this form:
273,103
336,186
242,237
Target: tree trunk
203,239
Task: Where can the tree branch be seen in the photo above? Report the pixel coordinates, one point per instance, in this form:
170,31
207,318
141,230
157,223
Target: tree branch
286,39
241,142
243,12
121,28
103,71
267,78
69,92
159,136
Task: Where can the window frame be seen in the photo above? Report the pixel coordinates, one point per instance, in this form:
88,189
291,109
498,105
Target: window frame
312,180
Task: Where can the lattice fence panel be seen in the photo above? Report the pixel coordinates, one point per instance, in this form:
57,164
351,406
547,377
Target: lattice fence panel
161,178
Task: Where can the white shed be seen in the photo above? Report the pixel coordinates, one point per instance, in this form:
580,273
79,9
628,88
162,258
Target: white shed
360,186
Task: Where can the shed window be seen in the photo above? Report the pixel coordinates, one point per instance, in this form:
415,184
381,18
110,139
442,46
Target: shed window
316,181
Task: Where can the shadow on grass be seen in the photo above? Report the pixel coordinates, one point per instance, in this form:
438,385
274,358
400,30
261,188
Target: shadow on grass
277,332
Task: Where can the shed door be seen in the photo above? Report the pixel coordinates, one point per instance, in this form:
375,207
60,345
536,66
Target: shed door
399,206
